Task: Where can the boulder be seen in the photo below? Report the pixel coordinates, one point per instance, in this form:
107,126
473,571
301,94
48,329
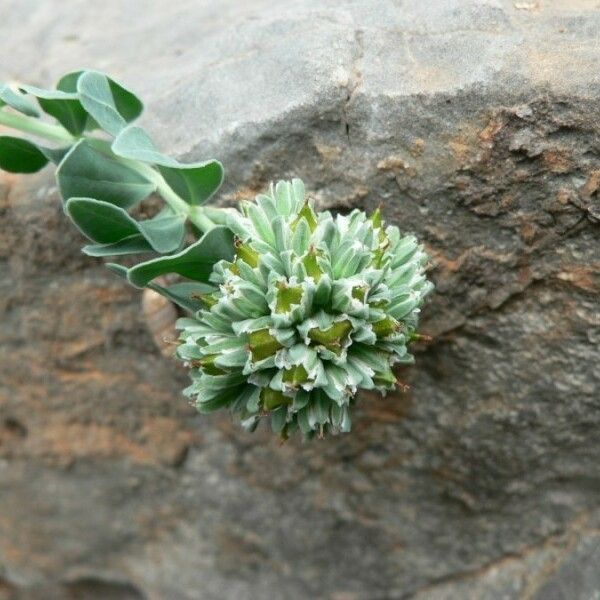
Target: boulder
476,125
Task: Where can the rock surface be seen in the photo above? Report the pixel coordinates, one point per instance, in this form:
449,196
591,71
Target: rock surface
477,124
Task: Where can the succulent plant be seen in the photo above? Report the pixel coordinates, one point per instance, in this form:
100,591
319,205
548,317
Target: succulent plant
293,310
312,308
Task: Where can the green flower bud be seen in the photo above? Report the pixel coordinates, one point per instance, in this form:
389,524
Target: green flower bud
311,264
333,337
305,213
385,327
246,253
262,344
287,296
295,376
314,308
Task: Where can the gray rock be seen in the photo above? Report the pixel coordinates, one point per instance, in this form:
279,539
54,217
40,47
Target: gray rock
477,125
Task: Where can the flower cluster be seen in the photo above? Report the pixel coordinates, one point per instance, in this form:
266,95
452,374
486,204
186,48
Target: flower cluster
312,308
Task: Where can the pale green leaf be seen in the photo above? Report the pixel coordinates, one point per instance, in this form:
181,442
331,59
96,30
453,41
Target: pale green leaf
12,98
195,262
106,223
65,107
100,221
87,172
117,269
164,233
108,103
194,182
134,244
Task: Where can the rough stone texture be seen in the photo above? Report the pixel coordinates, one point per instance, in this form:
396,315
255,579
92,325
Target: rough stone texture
477,124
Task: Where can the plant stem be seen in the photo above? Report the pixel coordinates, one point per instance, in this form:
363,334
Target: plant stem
200,219
54,133
196,214
218,215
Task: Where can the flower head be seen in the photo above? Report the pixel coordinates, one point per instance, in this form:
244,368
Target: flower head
313,308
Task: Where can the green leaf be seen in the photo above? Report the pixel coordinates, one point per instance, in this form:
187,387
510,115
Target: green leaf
108,103
133,142
68,83
100,221
194,182
106,223
65,107
117,269
195,262
165,233
87,172
20,156
134,244
183,294
17,101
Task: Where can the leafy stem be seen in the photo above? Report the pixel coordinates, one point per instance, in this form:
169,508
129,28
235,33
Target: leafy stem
106,165
56,133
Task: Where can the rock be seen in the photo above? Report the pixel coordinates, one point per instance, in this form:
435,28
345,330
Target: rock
477,126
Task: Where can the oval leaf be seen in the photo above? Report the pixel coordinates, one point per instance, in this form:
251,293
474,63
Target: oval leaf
87,172
63,106
195,262
68,83
133,142
108,103
20,156
17,101
100,221
134,244
194,182
106,223
164,233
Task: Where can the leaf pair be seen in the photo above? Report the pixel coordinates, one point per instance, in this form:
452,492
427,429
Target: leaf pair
90,173
99,180
82,101
99,187
88,99
118,233
93,169
195,182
